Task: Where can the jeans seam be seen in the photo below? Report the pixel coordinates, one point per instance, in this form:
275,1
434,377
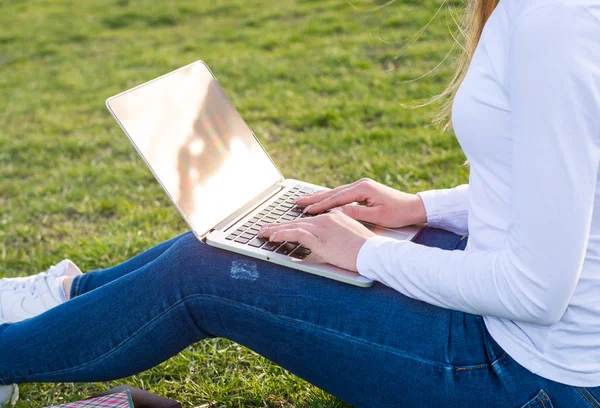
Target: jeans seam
588,396
546,397
76,286
541,401
480,366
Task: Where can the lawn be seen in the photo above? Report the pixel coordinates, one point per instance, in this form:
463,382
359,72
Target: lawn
328,86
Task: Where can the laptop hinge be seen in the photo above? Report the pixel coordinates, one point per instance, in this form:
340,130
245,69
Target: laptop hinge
250,206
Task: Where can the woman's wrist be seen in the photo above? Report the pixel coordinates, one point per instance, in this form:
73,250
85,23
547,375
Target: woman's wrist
417,209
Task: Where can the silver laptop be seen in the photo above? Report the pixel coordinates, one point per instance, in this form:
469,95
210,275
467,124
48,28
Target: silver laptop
216,172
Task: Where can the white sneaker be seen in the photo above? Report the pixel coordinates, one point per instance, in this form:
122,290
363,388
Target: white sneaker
22,298
8,395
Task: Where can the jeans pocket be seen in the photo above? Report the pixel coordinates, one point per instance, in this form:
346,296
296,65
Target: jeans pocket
541,400
439,238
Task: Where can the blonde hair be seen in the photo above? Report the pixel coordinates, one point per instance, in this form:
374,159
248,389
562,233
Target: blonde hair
475,16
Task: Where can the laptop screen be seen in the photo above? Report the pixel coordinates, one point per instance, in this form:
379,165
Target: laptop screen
196,143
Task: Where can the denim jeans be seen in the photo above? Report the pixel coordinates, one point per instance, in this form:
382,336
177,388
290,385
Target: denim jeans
372,347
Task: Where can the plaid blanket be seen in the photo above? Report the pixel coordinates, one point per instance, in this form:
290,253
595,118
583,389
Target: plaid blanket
118,400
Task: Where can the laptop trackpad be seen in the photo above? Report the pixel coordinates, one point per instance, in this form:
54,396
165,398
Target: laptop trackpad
389,233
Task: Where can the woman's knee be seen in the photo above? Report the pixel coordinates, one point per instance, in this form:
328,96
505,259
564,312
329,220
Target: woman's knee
187,243
193,263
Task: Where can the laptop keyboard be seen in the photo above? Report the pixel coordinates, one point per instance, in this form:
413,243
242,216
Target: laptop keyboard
281,210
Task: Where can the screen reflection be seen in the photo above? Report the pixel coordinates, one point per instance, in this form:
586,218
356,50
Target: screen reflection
196,143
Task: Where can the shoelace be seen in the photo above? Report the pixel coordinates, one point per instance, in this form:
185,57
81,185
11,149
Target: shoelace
25,283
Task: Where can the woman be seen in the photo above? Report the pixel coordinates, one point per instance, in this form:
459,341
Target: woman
509,318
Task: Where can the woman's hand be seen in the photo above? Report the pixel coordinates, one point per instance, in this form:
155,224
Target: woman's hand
381,205
334,237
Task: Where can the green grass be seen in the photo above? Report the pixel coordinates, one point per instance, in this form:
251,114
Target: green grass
311,77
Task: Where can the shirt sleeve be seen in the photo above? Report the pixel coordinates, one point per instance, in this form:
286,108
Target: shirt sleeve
553,82
448,208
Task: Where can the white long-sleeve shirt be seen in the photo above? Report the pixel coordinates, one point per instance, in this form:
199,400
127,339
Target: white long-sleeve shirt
528,119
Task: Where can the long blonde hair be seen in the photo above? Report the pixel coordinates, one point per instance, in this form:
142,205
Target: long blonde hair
476,14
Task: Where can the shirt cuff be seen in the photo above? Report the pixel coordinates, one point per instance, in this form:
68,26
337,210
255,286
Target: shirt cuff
432,210
370,260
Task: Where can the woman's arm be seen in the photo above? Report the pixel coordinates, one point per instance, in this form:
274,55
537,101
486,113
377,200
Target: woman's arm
554,89
448,208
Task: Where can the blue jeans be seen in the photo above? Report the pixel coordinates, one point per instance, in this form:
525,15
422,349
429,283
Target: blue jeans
371,347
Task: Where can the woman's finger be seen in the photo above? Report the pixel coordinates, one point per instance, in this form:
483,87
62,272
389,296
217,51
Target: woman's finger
309,199
269,229
362,213
299,235
347,196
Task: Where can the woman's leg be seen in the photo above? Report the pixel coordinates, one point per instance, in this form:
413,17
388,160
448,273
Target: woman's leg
94,279
369,346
